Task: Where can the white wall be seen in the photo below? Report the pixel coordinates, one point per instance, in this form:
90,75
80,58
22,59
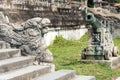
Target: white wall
67,34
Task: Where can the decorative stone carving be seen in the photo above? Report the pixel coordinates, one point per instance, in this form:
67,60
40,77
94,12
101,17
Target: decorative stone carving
100,44
3,18
28,37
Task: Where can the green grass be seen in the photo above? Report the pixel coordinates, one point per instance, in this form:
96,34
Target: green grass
118,1
67,55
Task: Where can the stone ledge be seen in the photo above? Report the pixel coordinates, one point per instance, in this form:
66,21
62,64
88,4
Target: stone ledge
113,63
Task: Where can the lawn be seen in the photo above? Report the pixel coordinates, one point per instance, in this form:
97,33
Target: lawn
67,56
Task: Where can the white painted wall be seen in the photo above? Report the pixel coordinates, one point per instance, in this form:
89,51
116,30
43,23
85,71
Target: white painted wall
67,34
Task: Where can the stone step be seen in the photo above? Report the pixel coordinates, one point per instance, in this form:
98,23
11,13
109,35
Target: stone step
9,53
15,63
84,78
58,75
27,73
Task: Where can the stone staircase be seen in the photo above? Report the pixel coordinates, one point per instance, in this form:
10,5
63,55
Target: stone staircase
13,66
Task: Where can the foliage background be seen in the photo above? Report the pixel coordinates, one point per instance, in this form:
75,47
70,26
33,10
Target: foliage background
118,1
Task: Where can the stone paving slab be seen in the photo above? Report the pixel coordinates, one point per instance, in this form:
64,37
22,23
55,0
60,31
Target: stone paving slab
113,63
